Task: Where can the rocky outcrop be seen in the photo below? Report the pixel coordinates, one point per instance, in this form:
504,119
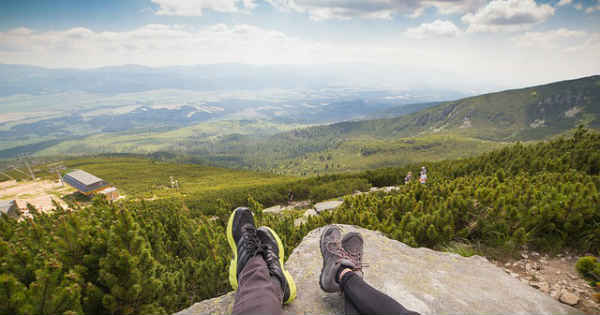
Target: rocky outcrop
421,279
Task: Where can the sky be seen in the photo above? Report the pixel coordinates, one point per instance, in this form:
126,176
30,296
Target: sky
501,42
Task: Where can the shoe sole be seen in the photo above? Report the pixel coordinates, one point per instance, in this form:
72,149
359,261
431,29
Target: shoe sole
233,265
286,274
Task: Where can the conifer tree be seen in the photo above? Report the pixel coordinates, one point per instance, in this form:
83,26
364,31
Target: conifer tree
13,294
129,271
54,291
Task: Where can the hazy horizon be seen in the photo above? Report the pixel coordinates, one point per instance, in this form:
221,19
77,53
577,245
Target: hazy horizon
462,44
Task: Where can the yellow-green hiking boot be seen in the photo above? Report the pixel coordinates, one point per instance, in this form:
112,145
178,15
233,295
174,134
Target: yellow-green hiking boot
273,253
244,243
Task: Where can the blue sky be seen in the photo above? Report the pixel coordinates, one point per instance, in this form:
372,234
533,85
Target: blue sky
541,40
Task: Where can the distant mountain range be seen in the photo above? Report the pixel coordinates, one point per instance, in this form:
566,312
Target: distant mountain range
25,79
531,113
447,130
41,108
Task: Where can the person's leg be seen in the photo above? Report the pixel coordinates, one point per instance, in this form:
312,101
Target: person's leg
342,270
352,243
274,253
257,292
367,300
349,308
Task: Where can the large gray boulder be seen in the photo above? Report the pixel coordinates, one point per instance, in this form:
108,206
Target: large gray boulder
421,279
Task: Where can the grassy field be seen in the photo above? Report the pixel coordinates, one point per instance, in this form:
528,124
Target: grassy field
173,140
363,153
145,178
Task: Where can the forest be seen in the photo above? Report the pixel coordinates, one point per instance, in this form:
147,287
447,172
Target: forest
157,257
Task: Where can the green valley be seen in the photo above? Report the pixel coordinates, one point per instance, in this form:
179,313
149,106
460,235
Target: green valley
436,131
449,130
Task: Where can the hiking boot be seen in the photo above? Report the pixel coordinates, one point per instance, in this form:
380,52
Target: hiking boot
244,243
273,253
334,258
352,243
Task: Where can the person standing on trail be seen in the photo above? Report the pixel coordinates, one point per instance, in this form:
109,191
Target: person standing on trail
262,284
423,177
408,178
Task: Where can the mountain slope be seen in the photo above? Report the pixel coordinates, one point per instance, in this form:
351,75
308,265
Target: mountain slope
449,130
523,114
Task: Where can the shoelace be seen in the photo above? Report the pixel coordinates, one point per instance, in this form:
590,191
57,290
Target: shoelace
269,253
336,249
270,257
356,258
250,238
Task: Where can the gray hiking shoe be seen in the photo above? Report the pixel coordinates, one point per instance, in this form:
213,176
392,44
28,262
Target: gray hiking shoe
353,243
334,257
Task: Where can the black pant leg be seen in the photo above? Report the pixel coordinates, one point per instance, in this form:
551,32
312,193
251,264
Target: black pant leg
368,300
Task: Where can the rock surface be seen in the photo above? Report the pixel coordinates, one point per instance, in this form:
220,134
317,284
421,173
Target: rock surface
388,189
327,205
300,221
555,276
274,209
568,298
421,279
310,213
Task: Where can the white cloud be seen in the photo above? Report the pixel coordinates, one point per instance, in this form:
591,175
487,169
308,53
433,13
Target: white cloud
437,28
374,9
564,2
559,38
153,45
507,15
579,6
454,6
196,7
594,8
590,46
489,57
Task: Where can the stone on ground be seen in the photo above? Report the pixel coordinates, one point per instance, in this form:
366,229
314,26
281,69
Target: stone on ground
300,221
568,298
310,213
388,189
327,205
274,209
421,279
